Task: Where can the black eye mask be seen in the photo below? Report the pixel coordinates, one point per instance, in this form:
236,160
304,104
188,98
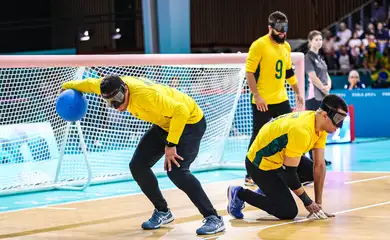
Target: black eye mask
116,98
336,117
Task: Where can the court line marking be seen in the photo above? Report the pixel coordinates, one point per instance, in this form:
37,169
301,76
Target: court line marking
306,219
104,198
57,208
367,179
137,193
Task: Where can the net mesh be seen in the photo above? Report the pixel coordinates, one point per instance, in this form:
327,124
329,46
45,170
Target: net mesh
30,157
31,132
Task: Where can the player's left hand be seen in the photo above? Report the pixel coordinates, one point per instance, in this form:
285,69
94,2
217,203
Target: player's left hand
299,100
171,156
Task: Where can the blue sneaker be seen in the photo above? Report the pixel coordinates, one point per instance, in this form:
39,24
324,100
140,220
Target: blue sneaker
158,219
212,224
235,205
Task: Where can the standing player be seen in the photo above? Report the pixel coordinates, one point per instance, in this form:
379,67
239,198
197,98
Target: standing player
275,154
271,54
178,128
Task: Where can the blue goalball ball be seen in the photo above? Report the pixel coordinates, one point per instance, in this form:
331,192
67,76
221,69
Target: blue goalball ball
71,105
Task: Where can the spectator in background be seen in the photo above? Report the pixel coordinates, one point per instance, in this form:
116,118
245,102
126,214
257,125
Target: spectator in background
370,29
382,36
344,33
378,12
317,71
328,50
359,30
355,46
369,38
380,78
354,81
371,57
344,60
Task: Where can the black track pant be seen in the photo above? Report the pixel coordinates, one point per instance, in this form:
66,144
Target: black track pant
278,200
152,147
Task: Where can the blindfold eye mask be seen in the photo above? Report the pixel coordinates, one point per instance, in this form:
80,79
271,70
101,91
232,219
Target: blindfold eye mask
336,117
115,99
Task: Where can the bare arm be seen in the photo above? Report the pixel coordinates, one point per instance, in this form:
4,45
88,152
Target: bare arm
319,173
329,81
296,89
250,76
317,82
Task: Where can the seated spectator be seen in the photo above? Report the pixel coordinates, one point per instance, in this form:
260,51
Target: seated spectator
344,33
371,57
328,50
381,79
359,30
370,30
344,60
356,46
382,36
369,38
354,81
384,60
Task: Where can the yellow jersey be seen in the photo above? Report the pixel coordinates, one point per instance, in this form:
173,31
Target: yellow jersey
274,62
290,135
159,104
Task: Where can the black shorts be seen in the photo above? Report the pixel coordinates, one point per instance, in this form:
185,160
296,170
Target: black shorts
261,118
312,104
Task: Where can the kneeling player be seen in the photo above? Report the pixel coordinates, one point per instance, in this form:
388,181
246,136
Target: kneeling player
275,155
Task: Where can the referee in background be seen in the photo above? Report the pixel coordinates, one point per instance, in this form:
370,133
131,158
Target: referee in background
317,72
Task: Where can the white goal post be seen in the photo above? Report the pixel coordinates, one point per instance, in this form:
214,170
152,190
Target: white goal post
39,151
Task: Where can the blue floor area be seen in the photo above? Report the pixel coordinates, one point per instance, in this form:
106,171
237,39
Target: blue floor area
363,155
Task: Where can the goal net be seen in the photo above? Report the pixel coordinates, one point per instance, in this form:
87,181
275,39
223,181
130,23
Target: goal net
40,151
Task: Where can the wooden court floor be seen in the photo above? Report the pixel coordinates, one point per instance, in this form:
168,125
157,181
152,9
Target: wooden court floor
361,202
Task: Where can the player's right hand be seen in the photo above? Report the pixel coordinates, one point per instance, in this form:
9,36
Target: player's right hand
260,103
60,91
316,211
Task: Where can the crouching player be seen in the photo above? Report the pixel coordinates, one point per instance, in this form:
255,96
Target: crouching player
178,127
275,155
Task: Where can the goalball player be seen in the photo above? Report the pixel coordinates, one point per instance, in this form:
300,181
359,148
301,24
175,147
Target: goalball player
271,55
178,127
275,154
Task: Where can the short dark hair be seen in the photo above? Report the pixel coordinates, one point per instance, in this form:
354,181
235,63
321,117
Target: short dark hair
335,102
277,16
110,84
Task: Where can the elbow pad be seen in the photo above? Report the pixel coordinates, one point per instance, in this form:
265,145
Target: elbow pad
290,177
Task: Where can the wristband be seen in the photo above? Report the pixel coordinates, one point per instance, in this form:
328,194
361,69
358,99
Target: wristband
169,144
305,199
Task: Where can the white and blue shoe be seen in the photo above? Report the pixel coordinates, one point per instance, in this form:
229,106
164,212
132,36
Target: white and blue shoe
158,218
212,224
235,204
